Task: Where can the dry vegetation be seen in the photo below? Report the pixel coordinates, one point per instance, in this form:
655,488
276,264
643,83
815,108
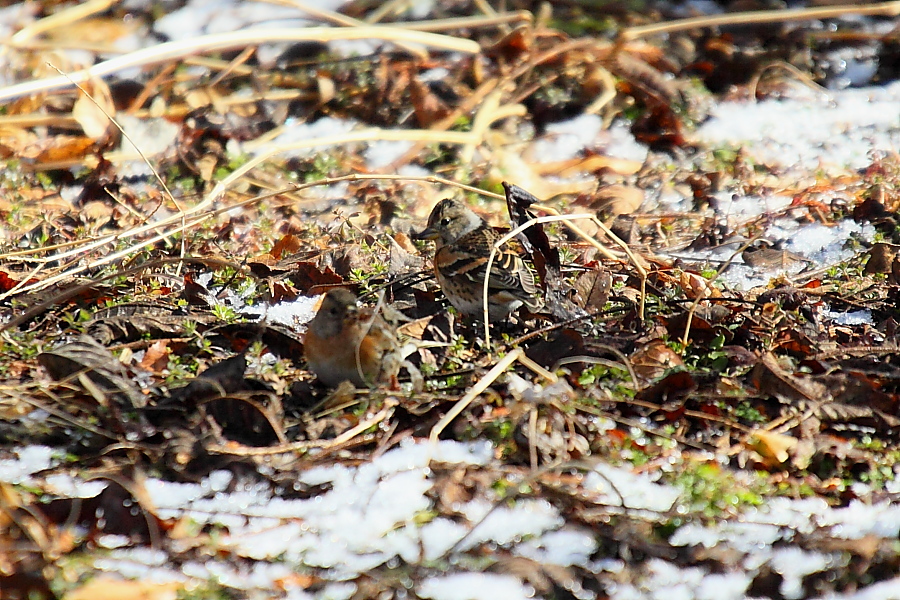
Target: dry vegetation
125,338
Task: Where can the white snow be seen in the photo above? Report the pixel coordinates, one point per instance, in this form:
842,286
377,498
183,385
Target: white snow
835,132
474,586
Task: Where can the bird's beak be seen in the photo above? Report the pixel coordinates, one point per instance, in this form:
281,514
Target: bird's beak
428,233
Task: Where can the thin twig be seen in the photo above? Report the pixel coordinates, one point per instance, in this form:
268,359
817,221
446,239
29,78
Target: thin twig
889,9
234,40
473,393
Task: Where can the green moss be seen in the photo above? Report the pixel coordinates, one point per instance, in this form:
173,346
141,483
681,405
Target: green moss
714,491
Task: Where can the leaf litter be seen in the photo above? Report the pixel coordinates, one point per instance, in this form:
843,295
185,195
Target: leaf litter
708,410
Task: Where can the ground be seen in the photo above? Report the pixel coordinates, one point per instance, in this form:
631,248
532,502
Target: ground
706,406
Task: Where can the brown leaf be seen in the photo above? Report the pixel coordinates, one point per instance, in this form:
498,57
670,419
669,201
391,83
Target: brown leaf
559,344
93,112
654,358
415,329
136,320
533,239
20,584
156,358
513,44
772,380
696,286
881,258
246,419
402,259
224,377
545,578
311,280
775,448
63,148
427,107
671,391
614,200
107,588
592,289
95,367
405,242
10,280
286,246
117,510
588,164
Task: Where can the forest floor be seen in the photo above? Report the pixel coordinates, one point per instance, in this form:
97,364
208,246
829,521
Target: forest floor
707,409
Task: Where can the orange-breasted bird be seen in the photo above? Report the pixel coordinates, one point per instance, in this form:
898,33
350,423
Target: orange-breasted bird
346,343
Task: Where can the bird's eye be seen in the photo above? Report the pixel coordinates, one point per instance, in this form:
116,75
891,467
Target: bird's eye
445,221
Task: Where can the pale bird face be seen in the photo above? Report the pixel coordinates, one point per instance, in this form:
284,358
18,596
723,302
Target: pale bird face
337,305
450,220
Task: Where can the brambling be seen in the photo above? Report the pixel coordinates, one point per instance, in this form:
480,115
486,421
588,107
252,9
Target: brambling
463,243
346,343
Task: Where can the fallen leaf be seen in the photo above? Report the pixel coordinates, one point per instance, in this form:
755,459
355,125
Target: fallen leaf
107,588
93,112
772,446
156,358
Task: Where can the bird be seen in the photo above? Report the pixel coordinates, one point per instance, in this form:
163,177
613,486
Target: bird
463,243
346,343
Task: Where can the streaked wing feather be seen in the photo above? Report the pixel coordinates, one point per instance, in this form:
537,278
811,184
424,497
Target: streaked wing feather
509,273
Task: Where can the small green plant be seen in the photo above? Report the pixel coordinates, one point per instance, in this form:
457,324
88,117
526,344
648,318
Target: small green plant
234,163
596,373
745,411
225,313
500,433
180,370
714,491
76,319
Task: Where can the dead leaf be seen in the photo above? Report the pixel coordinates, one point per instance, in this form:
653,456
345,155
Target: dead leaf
592,289
614,200
671,391
405,242
286,246
654,358
62,148
92,31
101,372
771,379
881,259
427,107
772,446
107,588
508,165
248,419
93,112
588,164
156,358
696,286
415,329
559,344
224,377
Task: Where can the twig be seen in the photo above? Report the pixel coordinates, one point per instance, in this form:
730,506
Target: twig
61,18
889,9
131,141
567,219
696,304
77,289
325,445
237,39
473,393
800,75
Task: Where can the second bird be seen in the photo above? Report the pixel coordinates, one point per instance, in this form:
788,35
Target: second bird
463,243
